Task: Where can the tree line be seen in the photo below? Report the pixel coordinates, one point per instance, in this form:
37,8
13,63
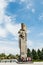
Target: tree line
35,55
10,56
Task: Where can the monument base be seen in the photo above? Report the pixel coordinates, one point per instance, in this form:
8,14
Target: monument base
25,61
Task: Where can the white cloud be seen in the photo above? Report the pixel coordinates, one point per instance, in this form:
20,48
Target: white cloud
29,5
7,20
29,43
41,17
3,5
22,0
41,34
39,45
9,47
33,10
28,31
13,29
3,32
34,44
8,50
11,0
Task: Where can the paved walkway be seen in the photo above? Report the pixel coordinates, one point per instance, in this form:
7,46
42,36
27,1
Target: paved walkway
35,63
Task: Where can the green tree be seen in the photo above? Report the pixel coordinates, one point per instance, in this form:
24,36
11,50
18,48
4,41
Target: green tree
34,55
42,54
39,54
10,56
17,56
28,53
3,56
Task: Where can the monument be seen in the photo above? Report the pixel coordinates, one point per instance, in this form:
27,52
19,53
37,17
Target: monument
23,41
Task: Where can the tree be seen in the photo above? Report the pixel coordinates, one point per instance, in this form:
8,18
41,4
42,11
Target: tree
3,56
10,56
28,53
34,54
17,56
39,54
42,54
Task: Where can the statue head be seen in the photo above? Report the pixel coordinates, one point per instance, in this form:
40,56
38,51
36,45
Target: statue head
23,27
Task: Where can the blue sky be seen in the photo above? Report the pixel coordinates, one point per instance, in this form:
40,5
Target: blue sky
12,14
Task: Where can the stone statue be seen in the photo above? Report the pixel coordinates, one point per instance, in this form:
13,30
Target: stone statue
23,41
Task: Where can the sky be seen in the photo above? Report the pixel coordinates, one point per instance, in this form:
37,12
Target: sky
12,14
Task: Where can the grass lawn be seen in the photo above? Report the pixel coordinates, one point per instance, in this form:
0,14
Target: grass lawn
37,60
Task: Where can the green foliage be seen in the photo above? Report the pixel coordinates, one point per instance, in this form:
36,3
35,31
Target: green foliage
17,56
42,54
39,54
10,56
28,53
34,54
3,56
